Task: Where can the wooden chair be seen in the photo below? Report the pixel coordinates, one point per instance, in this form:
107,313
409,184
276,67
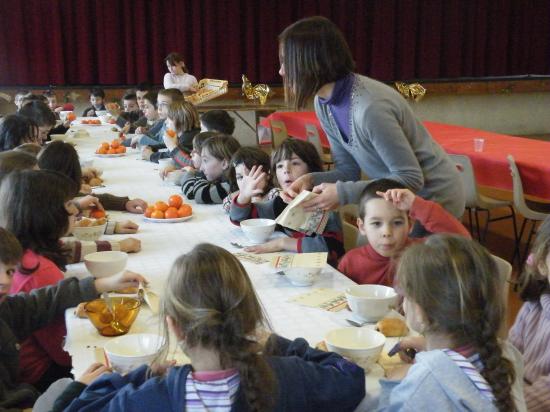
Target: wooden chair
505,272
313,137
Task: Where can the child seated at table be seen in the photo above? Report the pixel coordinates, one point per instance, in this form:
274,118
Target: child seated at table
39,230
52,102
148,106
97,99
41,114
387,211
210,306
242,162
181,125
213,184
16,130
128,118
154,139
62,157
23,314
292,159
454,297
217,121
531,330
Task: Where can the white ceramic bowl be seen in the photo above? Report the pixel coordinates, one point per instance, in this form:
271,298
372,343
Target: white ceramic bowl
361,345
128,352
258,230
302,276
63,114
89,233
61,137
101,112
103,264
371,302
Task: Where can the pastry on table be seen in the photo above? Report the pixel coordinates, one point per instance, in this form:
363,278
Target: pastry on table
392,327
80,312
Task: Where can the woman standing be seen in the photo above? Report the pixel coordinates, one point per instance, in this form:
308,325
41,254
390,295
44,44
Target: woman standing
370,126
178,76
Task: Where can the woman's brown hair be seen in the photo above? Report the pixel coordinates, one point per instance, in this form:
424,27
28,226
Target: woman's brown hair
184,115
304,150
456,283
533,283
313,52
212,302
174,58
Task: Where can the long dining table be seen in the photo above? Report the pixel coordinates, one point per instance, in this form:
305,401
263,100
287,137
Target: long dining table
162,243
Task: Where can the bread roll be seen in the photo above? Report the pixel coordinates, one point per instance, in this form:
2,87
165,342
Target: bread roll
391,327
80,312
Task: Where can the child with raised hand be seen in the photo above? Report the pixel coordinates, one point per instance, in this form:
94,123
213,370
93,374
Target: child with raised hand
62,157
97,99
531,330
387,212
213,184
242,162
292,159
23,314
182,124
453,296
211,308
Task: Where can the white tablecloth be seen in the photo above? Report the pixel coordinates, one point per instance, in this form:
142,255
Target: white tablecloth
162,243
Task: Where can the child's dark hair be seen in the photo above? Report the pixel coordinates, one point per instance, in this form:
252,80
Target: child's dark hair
151,96
61,157
39,112
314,52
13,160
174,58
304,150
456,283
533,283
16,130
40,232
378,185
130,96
97,92
11,251
33,98
253,156
143,87
200,138
211,300
174,94
219,121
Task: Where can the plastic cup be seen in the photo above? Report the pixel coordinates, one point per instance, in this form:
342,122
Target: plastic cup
478,144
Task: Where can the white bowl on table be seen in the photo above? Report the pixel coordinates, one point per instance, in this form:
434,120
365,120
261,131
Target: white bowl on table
128,352
59,137
63,114
302,276
101,112
258,230
108,263
89,233
371,302
362,345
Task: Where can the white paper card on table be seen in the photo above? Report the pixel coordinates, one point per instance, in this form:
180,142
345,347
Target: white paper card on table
296,218
249,257
327,299
300,260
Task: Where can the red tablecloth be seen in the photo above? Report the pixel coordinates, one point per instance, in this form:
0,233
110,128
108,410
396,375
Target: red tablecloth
490,166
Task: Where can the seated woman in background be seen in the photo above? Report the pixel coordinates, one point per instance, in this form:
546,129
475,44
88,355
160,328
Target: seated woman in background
178,76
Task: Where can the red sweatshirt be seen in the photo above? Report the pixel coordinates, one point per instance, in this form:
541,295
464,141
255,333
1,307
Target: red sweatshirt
366,266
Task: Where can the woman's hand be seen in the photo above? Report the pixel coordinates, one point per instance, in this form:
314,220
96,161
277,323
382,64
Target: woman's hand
89,202
121,281
136,206
327,198
130,245
250,185
94,371
126,227
402,199
304,182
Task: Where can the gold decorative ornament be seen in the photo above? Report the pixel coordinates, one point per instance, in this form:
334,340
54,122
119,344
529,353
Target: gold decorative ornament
260,91
414,91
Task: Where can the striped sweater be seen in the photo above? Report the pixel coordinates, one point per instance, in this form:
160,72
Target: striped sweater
531,335
196,186
214,391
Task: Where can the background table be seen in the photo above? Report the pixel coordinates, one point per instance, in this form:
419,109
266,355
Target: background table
163,242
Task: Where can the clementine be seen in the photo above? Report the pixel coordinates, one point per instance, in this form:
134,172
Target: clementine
160,205
171,213
102,150
175,201
120,149
157,214
105,145
97,213
149,211
115,143
111,151
185,210
171,133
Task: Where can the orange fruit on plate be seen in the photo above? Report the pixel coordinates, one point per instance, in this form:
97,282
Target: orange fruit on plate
185,210
171,213
175,201
71,116
120,149
105,145
149,211
102,150
161,206
97,213
157,214
111,151
115,143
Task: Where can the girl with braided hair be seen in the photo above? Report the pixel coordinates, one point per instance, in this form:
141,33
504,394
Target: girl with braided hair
454,297
211,308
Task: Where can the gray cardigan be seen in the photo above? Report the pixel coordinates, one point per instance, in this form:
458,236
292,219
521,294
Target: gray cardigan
387,141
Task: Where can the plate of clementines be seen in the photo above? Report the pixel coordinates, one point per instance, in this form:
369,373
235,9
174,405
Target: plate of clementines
113,149
173,211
